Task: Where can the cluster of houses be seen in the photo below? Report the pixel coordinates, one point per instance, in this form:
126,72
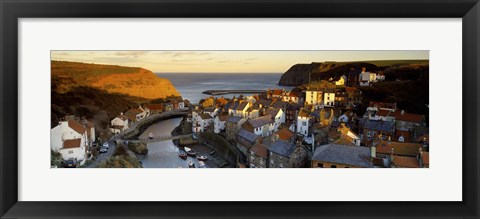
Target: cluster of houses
124,121
73,138
317,127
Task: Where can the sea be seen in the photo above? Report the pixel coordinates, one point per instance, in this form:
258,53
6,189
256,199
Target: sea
191,85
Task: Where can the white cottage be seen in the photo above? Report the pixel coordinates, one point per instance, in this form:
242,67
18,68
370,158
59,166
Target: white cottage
70,139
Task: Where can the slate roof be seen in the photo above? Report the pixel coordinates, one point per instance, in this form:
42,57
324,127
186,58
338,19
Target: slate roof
343,154
234,119
261,121
247,135
263,102
279,104
242,105
283,148
304,113
272,112
384,126
294,106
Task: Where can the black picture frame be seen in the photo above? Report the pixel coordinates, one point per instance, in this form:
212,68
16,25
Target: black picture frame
11,11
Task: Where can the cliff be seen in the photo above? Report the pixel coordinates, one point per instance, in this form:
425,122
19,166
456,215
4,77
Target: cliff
300,74
132,81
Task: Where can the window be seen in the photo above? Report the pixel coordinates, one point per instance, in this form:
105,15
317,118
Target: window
304,123
70,151
333,166
319,165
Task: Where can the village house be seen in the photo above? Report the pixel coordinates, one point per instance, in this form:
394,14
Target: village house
258,155
154,108
277,115
303,122
354,97
284,134
262,103
233,125
341,81
137,114
341,156
241,110
292,112
353,78
366,78
377,129
313,97
212,111
279,154
253,112
70,139
119,124
401,155
347,136
246,140
291,97
203,120
341,98
90,126
261,126
219,123
329,98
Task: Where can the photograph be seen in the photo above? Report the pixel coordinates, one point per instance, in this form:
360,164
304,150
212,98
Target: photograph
239,109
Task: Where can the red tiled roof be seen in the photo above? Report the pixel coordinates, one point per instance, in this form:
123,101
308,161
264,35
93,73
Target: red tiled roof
277,92
153,106
284,134
383,105
72,143
399,148
409,162
76,126
409,117
260,150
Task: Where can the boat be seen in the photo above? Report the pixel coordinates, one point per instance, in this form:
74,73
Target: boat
191,164
201,164
150,136
212,152
182,154
190,152
202,158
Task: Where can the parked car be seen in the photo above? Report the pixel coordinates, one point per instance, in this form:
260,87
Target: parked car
105,145
103,150
70,163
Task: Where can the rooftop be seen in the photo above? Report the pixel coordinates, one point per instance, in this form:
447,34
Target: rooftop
282,147
343,154
379,125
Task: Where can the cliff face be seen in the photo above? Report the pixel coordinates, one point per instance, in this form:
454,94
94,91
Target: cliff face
302,73
132,81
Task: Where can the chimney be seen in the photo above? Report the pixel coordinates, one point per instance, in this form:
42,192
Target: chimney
389,140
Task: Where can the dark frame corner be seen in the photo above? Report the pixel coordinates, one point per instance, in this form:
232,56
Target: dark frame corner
11,11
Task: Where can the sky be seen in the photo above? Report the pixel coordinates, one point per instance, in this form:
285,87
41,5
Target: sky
227,61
